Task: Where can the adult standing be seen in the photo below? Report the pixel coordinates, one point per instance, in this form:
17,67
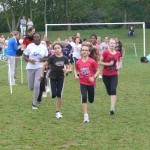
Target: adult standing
11,55
23,24
35,54
110,59
29,23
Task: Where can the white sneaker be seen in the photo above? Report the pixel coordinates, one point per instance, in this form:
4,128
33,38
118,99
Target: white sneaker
86,118
47,89
34,107
44,94
59,115
100,76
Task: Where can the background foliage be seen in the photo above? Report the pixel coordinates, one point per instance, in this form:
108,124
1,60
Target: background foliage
72,11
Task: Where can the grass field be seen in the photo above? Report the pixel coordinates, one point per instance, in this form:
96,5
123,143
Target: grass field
22,128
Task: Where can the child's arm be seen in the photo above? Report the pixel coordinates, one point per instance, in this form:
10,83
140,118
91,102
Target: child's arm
91,79
66,69
107,63
118,63
123,52
76,74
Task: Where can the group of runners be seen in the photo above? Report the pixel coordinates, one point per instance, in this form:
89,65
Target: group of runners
91,59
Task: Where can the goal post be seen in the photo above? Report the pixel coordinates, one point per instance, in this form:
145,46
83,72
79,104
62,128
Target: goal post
88,24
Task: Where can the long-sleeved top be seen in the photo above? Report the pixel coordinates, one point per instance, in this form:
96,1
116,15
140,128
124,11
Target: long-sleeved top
12,47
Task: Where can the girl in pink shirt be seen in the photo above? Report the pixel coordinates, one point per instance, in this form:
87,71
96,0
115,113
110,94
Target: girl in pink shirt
110,59
86,71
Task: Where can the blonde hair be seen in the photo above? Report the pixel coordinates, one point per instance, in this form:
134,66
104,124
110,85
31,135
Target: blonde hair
14,33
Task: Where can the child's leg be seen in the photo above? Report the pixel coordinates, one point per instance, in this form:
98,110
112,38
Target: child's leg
42,88
53,91
83,89
106,80
59,87
91,93
114,83
36,85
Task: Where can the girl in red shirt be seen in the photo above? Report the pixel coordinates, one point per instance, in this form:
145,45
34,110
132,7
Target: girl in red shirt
86,71
110,59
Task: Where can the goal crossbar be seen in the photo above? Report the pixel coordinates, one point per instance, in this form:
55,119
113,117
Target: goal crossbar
119,23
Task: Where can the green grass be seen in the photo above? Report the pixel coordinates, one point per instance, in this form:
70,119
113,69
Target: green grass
22,128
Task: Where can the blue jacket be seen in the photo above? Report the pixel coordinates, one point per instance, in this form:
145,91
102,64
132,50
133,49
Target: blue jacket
12,47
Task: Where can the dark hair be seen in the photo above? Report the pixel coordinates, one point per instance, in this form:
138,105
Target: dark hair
58,43
143,59
93,51
30,29
94,36
37,33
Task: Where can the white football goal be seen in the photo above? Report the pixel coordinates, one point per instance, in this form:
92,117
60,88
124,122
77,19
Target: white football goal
106,24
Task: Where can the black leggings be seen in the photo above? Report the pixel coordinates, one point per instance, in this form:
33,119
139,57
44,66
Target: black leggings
56,86
90,90
42,87
111,83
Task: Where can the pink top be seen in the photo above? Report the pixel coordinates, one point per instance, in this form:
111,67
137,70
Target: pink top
110,70
86,69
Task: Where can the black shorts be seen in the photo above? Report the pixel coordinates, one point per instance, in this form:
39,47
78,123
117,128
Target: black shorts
111,83
87,91
56,86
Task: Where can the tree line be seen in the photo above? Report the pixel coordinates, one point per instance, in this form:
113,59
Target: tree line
72,11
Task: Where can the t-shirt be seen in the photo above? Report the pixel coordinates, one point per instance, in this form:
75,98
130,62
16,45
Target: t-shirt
77,51
27,40
110,70
67,51
104,46
148,58
86,69
35,52
23,22
56,64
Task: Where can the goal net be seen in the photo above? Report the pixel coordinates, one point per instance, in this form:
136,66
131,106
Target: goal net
135,45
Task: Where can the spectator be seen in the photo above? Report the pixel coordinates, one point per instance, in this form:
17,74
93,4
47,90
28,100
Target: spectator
29,23
131,31
11,55
23,24
145,59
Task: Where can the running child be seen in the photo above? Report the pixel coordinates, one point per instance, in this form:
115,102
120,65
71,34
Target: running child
59,66
86,71
110,59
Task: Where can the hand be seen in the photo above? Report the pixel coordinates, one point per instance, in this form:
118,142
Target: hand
76,77
64,70
32,61
40,78
122,58
40,59
111,62
91,79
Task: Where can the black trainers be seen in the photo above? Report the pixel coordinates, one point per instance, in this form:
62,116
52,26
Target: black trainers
111,112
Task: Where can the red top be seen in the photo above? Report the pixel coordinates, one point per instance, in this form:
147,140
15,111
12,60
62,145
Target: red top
27,41
86,69
110,70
